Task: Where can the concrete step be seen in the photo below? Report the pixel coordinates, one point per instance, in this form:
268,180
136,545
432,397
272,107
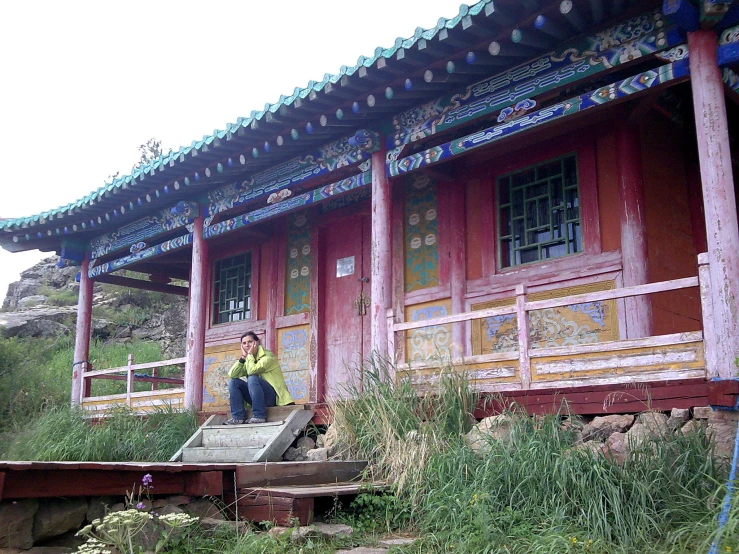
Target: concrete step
240,435
231,454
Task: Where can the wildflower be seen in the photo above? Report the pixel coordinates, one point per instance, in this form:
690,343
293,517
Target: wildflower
141,506
573,540
146,481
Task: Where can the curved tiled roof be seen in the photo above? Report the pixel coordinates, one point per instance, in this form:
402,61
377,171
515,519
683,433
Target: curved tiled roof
243,122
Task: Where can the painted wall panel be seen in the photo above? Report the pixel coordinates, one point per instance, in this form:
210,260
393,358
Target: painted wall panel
421,233
564,326
297,266
608,202
430,343
293,351
218,360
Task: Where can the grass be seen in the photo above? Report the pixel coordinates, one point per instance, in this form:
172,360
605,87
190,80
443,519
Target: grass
534,491
63,434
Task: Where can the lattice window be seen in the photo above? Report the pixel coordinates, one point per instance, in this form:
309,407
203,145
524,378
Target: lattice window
232,289
539,212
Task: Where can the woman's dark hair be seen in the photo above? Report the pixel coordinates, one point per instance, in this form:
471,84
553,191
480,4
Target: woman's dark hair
251,334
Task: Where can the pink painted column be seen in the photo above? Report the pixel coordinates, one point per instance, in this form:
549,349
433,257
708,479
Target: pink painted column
719,200
196,319
633,230
458,269
82,333
381,253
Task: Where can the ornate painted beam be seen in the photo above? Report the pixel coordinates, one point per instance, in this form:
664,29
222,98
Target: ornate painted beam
167,246
582,59
514,124
731,80
141,284
328,158
286,206
728,49
134,233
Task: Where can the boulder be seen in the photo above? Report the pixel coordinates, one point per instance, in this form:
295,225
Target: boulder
702,412
497,427
678,418
617,447
37,322
318,529
655,422
722,427
56,516
202,508
400,541
50,550
211,524
317,455
16,523
304,444
364,550
293,454
604,426
332,442
32,301
97,507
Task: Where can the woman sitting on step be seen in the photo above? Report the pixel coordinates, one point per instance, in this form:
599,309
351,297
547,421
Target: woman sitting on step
264,386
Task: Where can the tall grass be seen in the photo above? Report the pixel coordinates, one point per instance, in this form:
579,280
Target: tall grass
533,491
63,434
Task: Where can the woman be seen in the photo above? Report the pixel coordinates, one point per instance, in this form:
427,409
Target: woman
264,386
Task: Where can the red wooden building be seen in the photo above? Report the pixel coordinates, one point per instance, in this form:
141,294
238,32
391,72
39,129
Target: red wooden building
538,191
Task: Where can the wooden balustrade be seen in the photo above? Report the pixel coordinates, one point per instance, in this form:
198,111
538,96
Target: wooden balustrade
138,401
526,355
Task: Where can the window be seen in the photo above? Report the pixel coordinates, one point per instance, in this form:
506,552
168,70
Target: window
539,213
232,289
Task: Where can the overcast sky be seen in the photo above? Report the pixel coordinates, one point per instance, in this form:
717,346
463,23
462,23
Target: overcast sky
84,83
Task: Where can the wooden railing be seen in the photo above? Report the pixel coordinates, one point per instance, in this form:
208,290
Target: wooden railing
133,399
523,358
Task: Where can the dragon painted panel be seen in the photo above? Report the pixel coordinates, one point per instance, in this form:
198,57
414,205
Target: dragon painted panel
218,360
588,323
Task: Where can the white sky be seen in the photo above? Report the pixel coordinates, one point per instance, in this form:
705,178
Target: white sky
83,83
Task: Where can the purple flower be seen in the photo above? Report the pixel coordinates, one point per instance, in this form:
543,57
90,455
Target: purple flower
141,506
146,481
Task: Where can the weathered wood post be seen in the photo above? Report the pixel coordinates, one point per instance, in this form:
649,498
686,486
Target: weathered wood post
129,381
82,332
458,269
633,230
709,340
196,318
381,254
714,154
522,318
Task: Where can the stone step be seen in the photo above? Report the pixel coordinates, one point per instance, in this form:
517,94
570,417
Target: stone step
240,435
231,454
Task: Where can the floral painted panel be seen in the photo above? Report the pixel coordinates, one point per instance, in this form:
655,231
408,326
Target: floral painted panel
588,323
218,360
421,234
293,351
428,343
297,268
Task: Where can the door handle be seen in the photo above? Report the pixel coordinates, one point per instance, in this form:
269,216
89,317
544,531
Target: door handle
362,303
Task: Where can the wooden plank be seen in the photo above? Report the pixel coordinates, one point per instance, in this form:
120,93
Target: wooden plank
205,483
294,424
300,508
611,346
315,491
235,454
240,435
298,473
2,482
723,392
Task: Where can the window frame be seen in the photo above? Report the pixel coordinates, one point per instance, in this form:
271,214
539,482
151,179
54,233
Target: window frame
583,146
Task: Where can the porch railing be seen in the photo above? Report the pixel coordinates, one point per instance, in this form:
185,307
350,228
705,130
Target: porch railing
521,308
136,400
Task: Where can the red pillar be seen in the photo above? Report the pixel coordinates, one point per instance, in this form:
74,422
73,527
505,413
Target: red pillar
196,319
457,260
82,333
719,200
381,253
634,251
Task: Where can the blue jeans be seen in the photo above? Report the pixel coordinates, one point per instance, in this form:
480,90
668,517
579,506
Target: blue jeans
255,391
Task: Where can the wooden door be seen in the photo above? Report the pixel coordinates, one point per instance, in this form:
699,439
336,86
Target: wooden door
346,298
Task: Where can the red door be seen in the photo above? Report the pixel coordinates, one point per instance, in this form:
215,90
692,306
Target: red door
346,303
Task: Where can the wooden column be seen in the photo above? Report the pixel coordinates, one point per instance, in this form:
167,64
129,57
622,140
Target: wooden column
458,268
381,253
633,230
273,294
82,333
718,198
196,319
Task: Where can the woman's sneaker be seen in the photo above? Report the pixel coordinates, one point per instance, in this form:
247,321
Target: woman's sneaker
234,421
256,420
